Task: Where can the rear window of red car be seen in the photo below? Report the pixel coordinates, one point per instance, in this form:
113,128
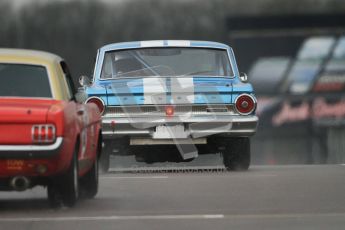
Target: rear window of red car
19,80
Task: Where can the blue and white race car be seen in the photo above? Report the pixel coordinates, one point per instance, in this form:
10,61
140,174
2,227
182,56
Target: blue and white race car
187,95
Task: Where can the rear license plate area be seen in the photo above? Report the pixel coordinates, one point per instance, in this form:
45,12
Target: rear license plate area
170,132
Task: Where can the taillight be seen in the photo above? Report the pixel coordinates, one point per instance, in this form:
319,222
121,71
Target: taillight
98,102
43,133
169,111
245,104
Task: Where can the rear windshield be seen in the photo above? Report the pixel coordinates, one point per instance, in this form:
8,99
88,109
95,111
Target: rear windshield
19,80
177,62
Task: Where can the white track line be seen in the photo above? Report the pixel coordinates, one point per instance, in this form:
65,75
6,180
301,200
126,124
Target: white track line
102,218
165,177
172,217
284,215
134,177
168,168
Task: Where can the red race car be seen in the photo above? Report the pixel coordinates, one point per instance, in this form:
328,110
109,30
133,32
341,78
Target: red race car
47,138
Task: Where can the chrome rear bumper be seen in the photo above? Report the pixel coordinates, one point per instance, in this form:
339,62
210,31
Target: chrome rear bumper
30,151
195,126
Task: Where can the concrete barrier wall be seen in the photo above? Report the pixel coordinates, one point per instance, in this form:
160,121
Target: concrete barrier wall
336,145
301,149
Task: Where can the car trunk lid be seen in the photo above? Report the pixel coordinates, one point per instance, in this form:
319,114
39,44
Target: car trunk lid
166,90
17,115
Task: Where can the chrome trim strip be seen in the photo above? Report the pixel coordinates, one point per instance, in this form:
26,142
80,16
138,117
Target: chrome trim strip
180,119
126,132
54,132
159,110
33,133
150,141
15,148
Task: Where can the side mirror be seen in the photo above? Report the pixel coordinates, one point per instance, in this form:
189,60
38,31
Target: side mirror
80,96
84,81
243,77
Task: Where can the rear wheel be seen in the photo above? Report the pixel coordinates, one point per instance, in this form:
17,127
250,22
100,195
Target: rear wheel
89,182
105,157
70,183
54,194
236,154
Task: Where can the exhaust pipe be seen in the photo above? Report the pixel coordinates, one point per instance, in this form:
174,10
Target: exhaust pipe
20,183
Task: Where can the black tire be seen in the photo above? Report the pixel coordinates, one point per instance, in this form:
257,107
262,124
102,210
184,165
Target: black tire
70,183
105,158
89,182
236,154
54,195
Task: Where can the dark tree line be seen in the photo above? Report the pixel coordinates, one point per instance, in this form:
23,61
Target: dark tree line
76,29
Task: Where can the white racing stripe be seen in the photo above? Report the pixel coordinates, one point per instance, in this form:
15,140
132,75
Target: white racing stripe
182,90
105,218
178,43
151,43
154,90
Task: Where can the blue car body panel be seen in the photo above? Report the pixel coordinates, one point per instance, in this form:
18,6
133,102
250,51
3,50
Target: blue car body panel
206,90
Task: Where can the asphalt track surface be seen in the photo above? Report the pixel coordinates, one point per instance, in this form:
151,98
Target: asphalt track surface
265,197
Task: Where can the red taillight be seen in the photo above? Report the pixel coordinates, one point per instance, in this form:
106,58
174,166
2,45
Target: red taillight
43,133
98,102
51,133
35,132
169,111
245,104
